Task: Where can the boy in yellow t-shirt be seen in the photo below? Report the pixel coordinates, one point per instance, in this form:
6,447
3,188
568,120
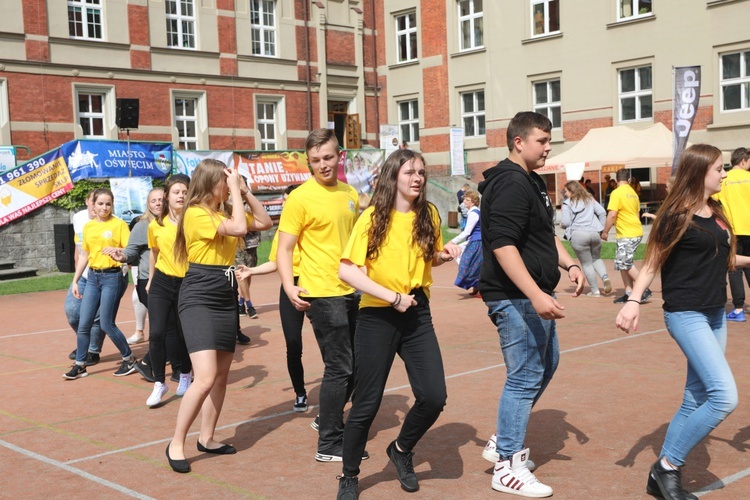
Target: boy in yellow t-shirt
623,212
317,218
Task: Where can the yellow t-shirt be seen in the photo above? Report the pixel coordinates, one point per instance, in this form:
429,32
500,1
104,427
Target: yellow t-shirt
322,218
735,199
204,243
162,237
98,235
295,254
625,201
399,265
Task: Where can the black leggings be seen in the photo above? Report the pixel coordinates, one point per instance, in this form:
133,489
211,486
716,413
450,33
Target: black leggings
162,312
291,324
382,332
736,285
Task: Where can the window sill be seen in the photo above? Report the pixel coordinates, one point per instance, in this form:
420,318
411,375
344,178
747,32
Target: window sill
404,64
476,50
90,42
632,20
716,3
265,60
475,142
177,50
551,36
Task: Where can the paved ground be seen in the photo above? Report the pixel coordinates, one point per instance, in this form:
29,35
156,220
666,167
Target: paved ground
594,434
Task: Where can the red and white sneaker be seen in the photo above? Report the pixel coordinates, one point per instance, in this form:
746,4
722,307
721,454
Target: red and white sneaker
513,476
491,455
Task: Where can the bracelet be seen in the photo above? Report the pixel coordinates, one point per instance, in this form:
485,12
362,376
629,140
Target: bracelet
573,265
397,300
633,300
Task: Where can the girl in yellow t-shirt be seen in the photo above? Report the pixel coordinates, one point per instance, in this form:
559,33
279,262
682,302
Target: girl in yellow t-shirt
389,257
206,239
105,284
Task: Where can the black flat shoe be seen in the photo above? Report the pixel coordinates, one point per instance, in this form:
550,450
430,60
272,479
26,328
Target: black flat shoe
670,483
181,466
222,450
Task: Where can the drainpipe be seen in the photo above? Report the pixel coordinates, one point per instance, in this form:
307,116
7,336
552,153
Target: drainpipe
375,70
308,75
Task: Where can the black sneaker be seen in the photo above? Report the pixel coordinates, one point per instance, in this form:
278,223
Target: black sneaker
300,403
242,339
126,367
335,456
315,424
92,358
72,355
242,309
145,371
652,488
348,488
646,295
621,300
252,313
78,371
404,467
670,482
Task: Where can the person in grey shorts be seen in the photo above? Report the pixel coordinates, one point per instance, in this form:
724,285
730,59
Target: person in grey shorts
583,219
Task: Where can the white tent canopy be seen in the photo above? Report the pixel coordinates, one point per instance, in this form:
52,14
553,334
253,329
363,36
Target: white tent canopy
621,145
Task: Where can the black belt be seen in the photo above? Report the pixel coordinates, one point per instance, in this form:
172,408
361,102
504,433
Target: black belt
116,269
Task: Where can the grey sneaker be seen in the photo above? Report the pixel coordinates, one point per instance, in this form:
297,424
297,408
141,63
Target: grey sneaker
404,467
126,367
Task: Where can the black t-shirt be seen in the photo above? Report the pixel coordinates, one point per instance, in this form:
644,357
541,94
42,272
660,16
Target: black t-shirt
694,277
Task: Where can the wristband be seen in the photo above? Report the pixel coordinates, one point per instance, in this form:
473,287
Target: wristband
633,300
573,265
397,300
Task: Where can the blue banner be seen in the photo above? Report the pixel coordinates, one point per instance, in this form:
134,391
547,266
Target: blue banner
105,159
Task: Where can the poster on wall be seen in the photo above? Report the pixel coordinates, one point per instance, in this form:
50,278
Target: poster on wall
272,171
32,185
105,159
458,166
362,168
389,138
131,194
7,158
186,161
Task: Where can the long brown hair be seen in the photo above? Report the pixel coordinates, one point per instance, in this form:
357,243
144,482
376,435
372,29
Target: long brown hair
684,199
383,199
578,193
206,176
175,179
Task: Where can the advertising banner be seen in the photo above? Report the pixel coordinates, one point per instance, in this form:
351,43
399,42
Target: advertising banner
457,151
186,161
7,158
389,138
131,195
105,159
272,171
687,91
33,185
362,167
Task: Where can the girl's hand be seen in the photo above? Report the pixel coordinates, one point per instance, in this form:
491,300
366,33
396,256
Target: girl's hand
148,285
628,316
406,302
233,178
243,272
115,253
74,289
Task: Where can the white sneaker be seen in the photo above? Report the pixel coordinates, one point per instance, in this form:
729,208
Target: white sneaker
185,380
491,455
136,338
513,476
159,391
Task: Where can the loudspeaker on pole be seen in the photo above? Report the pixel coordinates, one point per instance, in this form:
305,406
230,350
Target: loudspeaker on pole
126,116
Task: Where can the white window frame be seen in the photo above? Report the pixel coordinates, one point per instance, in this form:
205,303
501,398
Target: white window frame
743,81
106,115
4,113
410,122
183,21
546,8
472,18
200,117
546,107
404,37
474,115
264,123
262,31
638,93
88,7
636,7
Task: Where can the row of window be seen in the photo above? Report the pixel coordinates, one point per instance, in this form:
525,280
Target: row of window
85,21
188,110
635,98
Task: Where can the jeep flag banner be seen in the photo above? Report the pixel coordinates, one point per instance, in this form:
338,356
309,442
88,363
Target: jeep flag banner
32,185
687,91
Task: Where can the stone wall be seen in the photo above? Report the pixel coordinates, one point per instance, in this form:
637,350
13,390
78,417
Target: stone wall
30,241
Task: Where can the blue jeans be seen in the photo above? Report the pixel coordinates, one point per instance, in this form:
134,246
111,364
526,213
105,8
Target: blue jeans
334,320
102,294
710,391
531,355
73,313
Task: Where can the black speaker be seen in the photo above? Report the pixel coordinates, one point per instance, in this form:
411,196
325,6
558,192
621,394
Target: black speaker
127,113
65,248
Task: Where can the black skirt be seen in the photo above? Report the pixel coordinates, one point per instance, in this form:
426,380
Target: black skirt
208,308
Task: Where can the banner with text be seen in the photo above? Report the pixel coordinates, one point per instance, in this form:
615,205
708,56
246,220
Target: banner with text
186,161
32,185
687,91
272,171
104,159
